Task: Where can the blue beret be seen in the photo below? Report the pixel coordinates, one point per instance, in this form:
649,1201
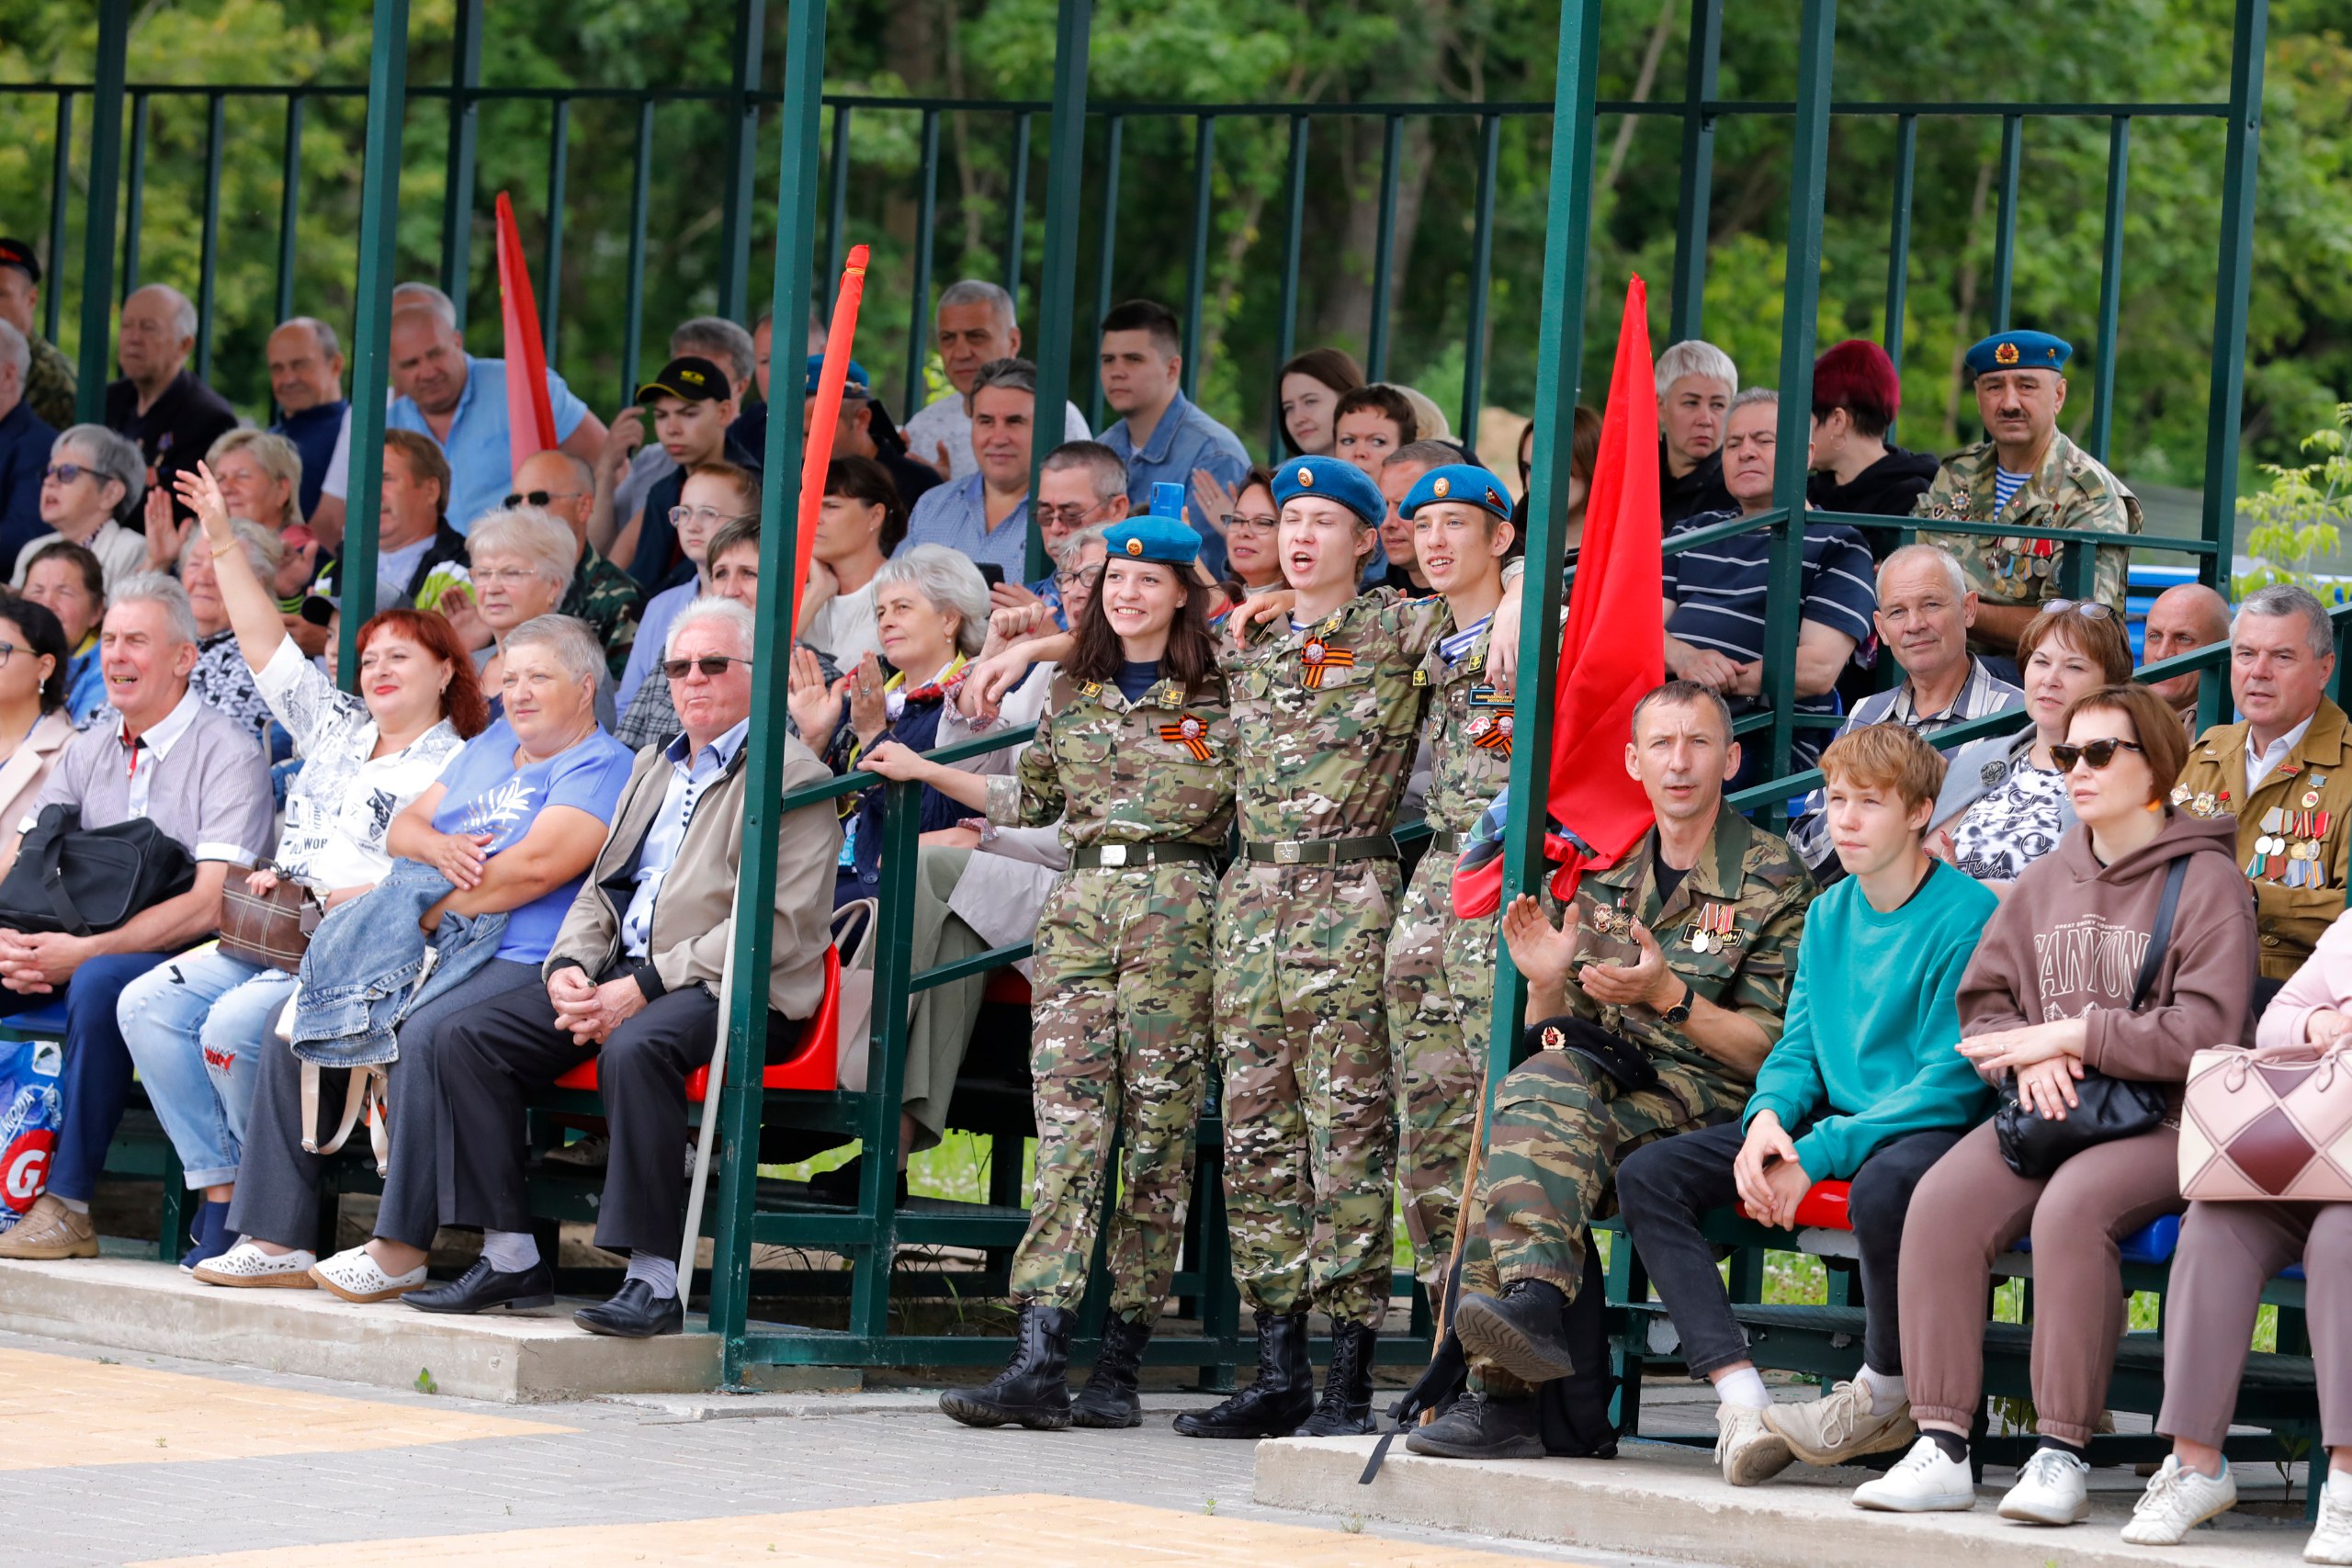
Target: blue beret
1333,480
1160,534
2019,351
1464,482
858,377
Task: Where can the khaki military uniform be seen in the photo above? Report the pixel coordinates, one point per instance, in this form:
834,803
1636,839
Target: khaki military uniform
1326,718
2070,489
50,383
2294,833
610,601
1440,977
1560,1126
1123,976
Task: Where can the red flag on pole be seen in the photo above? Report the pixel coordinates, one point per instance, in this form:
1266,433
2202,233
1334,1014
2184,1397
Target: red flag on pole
1613,650
823,417
530,417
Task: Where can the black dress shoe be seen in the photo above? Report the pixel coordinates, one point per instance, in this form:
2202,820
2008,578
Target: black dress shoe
482,1288
634,1312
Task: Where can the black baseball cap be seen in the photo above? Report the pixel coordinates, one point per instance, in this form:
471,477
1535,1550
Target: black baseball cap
18,254
696,379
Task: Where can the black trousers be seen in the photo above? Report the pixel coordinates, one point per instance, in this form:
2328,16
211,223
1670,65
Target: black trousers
1666,1188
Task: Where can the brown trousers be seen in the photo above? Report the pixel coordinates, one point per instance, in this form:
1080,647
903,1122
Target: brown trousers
2228,1251
1970,1209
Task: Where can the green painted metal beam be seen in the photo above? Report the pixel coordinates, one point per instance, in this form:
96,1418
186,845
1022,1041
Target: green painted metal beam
1294,235
1898,237
1701,55
744,60
290,205
2005,227
1016,211
208,241
1482,273
60,178
1559,357
457,176
926,232
837,211
1105,264
550,290
1196,270
134,207
1057,278
2110,288
1384,251
639,196
379,195
2224,402
95,351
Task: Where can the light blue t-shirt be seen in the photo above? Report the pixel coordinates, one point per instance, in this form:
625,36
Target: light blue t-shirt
487,793
481,460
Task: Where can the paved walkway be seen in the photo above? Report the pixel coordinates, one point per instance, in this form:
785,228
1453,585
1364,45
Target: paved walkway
132,1458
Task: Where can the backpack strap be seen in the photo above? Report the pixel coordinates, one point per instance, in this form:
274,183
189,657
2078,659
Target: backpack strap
2160,938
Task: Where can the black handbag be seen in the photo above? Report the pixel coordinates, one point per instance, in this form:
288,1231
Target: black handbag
80,881
2033,1144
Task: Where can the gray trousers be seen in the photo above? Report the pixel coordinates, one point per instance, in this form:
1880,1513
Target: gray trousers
2228,1252
277,1183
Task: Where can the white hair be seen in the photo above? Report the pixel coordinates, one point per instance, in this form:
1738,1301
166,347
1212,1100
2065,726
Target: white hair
950,581
16,354
714,608
155,588
978,291
1754,396
1692,357
183,310
530,533
2282,599
569,640
735,353
1955,579
1073,550
111,455
329,345
1429,419
263,549
425,296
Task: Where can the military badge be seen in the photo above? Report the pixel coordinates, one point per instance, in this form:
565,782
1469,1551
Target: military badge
1188,733
1319,656
2007,354
1552,1038
1135,547
1306,477
1491,732
1442,488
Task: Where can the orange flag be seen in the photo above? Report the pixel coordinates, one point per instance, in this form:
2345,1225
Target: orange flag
824,416
530,417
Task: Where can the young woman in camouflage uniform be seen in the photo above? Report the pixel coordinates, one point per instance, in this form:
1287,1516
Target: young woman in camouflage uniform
1134,758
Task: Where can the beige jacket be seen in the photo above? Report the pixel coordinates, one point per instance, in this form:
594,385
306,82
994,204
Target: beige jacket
27,767
691,926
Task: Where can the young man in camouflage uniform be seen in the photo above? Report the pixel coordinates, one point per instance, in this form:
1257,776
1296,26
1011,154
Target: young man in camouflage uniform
1659,999
1325,712
1441,969
2027,475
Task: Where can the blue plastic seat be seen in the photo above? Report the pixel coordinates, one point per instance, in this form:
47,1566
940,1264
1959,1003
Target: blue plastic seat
44,1022
2152,1242
2292,1271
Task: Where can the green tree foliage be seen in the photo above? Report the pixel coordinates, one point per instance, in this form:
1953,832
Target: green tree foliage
1163,53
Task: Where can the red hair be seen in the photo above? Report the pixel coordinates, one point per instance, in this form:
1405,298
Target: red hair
1856,376
462,702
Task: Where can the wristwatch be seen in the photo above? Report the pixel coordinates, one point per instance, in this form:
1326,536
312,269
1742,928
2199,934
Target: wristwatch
1679,1013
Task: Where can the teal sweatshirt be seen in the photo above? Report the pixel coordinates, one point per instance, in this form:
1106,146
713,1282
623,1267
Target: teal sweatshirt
1869,1054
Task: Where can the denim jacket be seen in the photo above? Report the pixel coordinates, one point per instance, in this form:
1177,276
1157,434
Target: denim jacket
369,966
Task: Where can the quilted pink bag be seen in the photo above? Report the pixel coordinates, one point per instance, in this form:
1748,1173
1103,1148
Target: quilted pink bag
2274,1123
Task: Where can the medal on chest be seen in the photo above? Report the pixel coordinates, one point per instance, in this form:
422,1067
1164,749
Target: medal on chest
1191,734
1319,654
1710,928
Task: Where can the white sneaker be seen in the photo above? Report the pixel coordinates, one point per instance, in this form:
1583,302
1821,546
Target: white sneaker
2332,1541
1841,1426
2178,1500
1922,1481
1748,1450
2054,1488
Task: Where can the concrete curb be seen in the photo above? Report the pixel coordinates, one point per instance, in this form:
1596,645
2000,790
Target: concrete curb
1658,1500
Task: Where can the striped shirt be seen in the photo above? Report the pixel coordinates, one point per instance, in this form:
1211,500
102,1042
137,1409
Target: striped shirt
2005,485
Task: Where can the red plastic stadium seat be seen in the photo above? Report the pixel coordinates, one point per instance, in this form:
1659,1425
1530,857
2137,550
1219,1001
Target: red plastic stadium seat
816,1065
1823,1207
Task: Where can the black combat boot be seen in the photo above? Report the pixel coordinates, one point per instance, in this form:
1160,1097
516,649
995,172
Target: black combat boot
1031,1390
1479,1425
1522,1330
1281,1398
1345,1409
1109,1400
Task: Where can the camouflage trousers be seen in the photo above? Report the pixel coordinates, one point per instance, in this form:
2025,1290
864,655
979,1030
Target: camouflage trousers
1440,985
1303,1038
1119,1049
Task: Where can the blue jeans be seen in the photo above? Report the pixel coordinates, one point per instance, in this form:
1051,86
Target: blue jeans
193,1025
95,1083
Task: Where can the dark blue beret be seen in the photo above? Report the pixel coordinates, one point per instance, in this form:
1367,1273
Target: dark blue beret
1333,480
2019,351
1464,482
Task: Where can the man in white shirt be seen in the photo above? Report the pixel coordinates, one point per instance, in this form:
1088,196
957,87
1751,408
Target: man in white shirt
975,325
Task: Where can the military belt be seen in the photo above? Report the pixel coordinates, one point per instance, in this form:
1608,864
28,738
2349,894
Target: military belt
1320,851
1131,857
1448,843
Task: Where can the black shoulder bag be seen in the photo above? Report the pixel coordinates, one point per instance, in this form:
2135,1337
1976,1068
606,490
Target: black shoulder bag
80,881
2034,1145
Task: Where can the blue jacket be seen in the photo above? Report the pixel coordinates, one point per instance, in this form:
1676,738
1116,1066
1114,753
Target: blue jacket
369,966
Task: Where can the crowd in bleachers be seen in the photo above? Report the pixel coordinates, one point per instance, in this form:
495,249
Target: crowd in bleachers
392,914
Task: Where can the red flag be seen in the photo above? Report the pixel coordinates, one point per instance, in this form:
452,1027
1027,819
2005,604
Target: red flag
530,417
824,415
1614,648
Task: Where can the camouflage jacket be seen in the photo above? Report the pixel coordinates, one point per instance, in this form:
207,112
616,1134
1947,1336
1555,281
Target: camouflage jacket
1326,716
1469,737
610,601
2070,489
50,383
1158,769
1744,901
2305,804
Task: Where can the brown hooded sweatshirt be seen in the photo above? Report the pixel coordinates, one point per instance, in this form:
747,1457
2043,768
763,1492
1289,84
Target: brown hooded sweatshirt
2069,939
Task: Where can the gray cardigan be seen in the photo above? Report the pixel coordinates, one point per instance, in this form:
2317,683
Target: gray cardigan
1978,767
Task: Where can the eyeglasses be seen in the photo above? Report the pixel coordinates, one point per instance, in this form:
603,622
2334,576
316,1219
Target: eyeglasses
541,497
503,576
709,517
8,649
2098,753
1068,515
2089,609
713,665
1258,522
1088,575
66,473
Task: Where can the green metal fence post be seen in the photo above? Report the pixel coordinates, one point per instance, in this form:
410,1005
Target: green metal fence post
1196,271
1057,279
926,229
1384,252
2224,403
734,1189
559,173
1482,271
60,177
379,198
1808,183
639,196
290,205
134,201
1898,239
209,245
743,157
2005,229
1105,272
1559,357
458,182
95,349
1293,232
2110,285
1016,209
1699,61
837,211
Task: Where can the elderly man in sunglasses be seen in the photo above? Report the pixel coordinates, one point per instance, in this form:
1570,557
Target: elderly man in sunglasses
632,983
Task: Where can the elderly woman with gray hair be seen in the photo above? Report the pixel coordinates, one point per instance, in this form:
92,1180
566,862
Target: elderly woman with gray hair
520,562
93,484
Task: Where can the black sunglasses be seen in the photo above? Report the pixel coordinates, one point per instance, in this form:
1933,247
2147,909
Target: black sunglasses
2098,753
541,497
711,664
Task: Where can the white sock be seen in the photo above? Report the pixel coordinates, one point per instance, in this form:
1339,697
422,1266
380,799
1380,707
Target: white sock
660,1274
510,1252
1886,1389
1745,1386
75,1205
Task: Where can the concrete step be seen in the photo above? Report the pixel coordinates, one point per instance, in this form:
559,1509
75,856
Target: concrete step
1662,1500
143,1305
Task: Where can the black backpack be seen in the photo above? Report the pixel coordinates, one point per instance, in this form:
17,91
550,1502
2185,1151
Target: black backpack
80,881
